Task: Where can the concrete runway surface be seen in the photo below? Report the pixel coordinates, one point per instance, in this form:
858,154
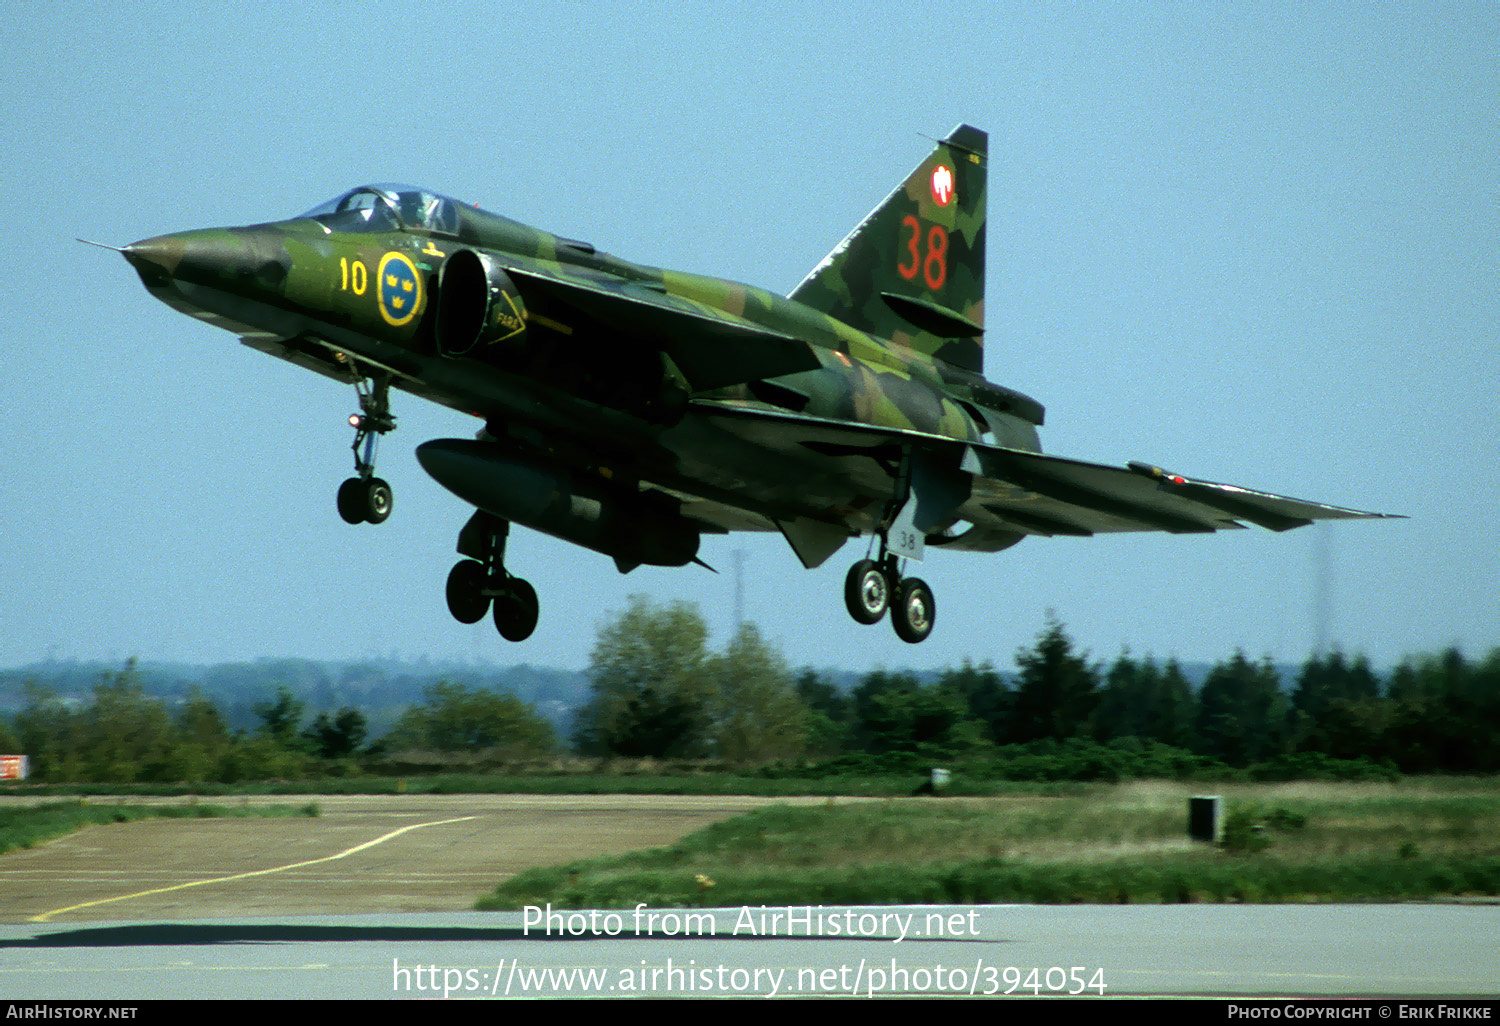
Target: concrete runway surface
372,900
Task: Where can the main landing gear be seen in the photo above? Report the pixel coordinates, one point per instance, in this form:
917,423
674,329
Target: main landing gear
926,490
365,498
873,586
481,584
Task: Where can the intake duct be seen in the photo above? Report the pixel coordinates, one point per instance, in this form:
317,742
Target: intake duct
479,310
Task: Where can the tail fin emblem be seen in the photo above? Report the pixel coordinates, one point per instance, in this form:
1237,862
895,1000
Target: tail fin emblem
942,185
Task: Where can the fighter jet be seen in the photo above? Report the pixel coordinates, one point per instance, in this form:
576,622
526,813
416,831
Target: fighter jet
631,410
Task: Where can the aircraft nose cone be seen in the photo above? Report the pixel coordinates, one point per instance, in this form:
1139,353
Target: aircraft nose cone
240,259
156,256
206,257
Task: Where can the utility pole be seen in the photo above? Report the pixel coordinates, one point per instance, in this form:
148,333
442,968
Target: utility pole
739,589
1322,589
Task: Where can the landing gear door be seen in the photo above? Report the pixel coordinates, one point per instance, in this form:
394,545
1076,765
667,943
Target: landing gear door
903,540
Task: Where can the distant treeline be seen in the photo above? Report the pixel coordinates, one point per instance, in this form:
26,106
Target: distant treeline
657,691
1062,716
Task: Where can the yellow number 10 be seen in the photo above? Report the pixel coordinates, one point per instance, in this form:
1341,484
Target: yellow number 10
353,276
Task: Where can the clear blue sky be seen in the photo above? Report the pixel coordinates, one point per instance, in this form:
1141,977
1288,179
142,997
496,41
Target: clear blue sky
1257,243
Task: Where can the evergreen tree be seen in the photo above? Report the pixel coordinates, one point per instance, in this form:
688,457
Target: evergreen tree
871,708
985,695
337,736
1242,714
1445,714
931,721
1326,689
281,720
1122,709
1056,690
1175,707
830,715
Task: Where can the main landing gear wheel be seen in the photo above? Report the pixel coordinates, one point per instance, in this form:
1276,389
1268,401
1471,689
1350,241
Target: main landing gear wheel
914,612
471,591
481,584
365,500
873,586
867,591
516,610
466,598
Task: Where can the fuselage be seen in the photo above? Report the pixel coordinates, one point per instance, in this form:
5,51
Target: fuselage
630,409
362,283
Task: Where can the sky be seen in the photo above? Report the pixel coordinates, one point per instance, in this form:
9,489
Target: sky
1252,243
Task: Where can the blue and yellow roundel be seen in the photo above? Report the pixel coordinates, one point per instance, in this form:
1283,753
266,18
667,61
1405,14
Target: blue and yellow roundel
400,289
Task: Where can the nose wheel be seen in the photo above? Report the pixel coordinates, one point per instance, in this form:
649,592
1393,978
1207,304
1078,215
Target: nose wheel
481,584
365,500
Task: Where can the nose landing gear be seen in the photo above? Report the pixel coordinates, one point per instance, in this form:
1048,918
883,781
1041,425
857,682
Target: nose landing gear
365,498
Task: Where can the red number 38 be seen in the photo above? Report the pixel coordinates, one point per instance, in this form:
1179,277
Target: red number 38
934,265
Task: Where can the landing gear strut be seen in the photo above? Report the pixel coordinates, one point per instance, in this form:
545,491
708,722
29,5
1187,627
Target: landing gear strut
481,584
366,498
875,585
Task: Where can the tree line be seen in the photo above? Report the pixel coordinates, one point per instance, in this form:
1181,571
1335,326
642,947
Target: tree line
659,691
1432,714
124,735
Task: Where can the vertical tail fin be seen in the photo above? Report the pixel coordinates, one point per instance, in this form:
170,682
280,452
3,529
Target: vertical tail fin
913,270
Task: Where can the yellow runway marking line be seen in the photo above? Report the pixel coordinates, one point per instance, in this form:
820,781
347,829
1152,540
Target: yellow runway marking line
242,876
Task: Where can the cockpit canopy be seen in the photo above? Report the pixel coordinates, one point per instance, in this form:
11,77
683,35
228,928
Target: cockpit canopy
389,208
406,208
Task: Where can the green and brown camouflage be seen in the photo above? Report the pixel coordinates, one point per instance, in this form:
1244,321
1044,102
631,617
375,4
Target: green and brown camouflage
630,409
865,362
928,296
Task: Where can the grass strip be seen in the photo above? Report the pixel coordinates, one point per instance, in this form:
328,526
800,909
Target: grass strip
1106,849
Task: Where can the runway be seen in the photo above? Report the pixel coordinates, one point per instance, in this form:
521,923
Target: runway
1020,951
371,900
455,848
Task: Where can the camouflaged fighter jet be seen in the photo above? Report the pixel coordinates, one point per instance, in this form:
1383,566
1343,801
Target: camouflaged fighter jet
631,409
